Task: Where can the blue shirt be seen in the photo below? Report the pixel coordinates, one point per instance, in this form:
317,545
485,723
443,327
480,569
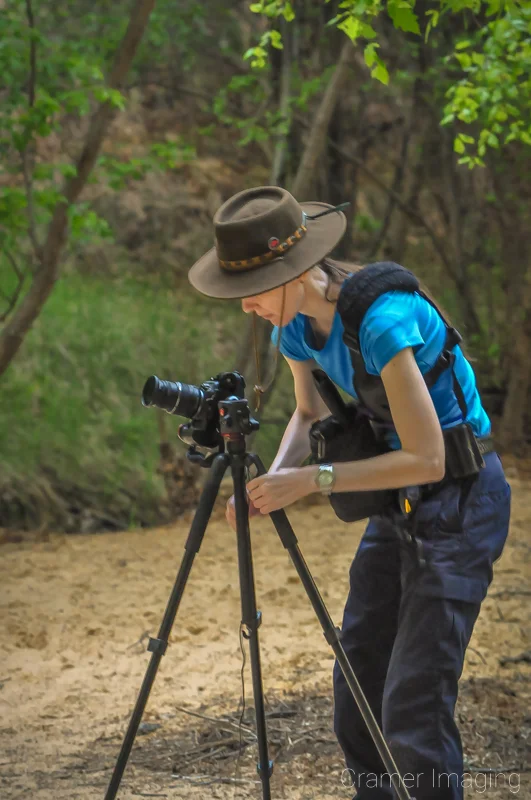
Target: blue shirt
396,320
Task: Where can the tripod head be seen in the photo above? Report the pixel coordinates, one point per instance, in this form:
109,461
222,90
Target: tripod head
218,411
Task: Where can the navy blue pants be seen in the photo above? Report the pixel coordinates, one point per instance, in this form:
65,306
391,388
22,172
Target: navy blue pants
405,630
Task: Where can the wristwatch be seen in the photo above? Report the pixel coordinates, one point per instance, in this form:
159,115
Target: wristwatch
325,478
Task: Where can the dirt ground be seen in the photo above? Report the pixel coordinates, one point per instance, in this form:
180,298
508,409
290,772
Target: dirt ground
77,611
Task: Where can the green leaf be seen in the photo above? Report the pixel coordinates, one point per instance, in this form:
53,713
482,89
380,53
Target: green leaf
276,40
403,16
459,145
462,45
288,12
432,23
464,59
369,54
381,74
352,27
367,31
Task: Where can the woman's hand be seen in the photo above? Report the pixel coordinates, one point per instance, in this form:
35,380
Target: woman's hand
230,512
280,489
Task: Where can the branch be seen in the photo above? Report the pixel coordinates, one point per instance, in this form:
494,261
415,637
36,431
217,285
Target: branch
319,128
396,187
33,55
14,332
279,155
413,213
32,227
26,169
21,278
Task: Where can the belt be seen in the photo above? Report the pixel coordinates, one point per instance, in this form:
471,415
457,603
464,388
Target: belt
409,496
485,444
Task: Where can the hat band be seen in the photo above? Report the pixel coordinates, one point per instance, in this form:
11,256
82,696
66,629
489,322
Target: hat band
258,261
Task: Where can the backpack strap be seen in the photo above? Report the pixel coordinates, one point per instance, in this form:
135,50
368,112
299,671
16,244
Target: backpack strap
446,359
363,288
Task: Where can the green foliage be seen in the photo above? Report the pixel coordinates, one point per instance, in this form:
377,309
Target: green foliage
365,223
68,84
167,155
71,400
267,122
68,81
495,92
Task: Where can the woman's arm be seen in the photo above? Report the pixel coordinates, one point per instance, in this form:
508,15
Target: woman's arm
422,457
421,460
295,445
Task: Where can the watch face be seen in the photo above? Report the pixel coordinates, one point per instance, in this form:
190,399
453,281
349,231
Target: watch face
326,478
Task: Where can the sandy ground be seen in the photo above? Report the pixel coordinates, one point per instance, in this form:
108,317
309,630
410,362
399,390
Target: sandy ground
77,611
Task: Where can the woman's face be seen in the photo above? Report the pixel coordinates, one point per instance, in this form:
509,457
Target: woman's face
269,304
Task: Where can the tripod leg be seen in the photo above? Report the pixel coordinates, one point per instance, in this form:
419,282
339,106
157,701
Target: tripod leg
251,618
332,636
158,646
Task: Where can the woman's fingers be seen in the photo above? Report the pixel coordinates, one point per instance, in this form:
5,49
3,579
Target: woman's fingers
230,511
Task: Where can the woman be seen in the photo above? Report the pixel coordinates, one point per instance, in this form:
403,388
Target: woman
406,624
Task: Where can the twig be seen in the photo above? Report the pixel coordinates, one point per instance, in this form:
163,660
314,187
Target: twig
396,186
33,55
473,650
210,745
511,593
411,212
147,794
206,755
217,720
523,658
143,638
199,782
21,278
492,770
28,182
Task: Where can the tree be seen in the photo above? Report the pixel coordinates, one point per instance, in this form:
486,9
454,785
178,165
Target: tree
493,88
25,121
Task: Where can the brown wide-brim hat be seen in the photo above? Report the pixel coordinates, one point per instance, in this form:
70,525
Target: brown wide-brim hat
264,238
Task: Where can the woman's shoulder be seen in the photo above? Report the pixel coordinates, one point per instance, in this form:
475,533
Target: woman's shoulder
398,306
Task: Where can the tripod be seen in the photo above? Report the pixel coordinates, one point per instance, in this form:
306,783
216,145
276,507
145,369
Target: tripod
235,424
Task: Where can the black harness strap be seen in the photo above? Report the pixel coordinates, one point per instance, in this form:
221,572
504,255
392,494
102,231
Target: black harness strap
357,295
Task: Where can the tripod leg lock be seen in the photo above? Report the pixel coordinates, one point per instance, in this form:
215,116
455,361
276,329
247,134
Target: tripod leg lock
247,630
269,771
157,646
333,635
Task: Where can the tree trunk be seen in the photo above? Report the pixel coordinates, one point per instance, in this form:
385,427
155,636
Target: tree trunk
302,185
516,408
47,272
246,358
284,89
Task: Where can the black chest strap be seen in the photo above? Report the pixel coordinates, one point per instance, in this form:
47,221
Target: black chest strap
358,293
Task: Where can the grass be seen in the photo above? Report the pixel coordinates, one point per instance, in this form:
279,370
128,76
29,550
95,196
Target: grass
72,395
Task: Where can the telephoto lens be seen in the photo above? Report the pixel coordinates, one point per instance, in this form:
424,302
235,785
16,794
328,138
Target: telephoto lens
182,399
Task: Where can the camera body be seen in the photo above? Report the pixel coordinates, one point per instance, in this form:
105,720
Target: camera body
201,405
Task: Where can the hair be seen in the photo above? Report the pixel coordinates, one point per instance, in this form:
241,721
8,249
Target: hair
337,272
